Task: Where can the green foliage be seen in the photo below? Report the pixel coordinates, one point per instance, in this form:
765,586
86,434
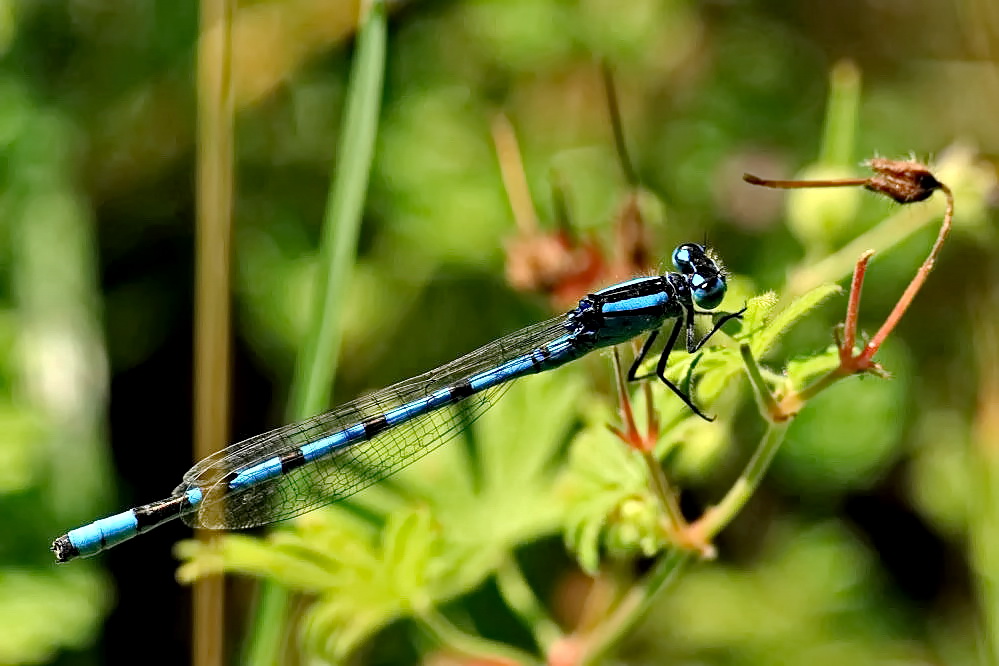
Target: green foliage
610,502
361,579
477,502
473,520
45,612
613,508
53,374
497,492
97,131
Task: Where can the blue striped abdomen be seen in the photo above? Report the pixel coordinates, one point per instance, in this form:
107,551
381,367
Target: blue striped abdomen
333,466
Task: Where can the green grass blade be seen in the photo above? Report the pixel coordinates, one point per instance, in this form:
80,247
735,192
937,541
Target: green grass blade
317,361
316,366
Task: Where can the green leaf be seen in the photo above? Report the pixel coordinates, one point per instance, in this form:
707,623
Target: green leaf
763,341
800,372
410,542
758,311
280,558
609,501
362,579
497,491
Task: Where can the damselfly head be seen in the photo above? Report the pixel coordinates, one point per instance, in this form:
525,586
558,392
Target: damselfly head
690,258
703,272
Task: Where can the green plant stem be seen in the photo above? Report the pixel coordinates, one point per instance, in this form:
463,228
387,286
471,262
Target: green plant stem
268,636
662,489
793,401
768,406
888,233
819,385
470,645
778,421
316,366
725,511
519,596
841,115
637,602
633,607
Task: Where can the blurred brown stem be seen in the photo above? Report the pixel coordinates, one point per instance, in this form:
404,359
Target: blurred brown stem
802,184
212,286
514,179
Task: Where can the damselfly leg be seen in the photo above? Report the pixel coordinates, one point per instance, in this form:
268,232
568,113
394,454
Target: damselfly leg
692,347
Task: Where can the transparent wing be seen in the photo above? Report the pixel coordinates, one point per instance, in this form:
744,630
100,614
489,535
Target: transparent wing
354,467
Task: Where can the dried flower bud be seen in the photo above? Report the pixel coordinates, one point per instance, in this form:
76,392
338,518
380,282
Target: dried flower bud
555,264
632,252
905,181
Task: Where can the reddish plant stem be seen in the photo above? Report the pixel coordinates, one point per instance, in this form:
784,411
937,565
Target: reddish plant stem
905,182
652,421
629,434
853,308
803,184
917,282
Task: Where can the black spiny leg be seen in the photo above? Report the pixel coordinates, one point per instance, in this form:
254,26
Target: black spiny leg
641,357
661,367
645,350
721,322
661,372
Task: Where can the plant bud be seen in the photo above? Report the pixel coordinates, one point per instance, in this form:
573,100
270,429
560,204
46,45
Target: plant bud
904,181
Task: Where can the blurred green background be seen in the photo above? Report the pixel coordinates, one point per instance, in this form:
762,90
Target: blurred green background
873,538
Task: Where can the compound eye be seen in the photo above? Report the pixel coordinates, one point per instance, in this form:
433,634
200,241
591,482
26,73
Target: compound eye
708,293
685,256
